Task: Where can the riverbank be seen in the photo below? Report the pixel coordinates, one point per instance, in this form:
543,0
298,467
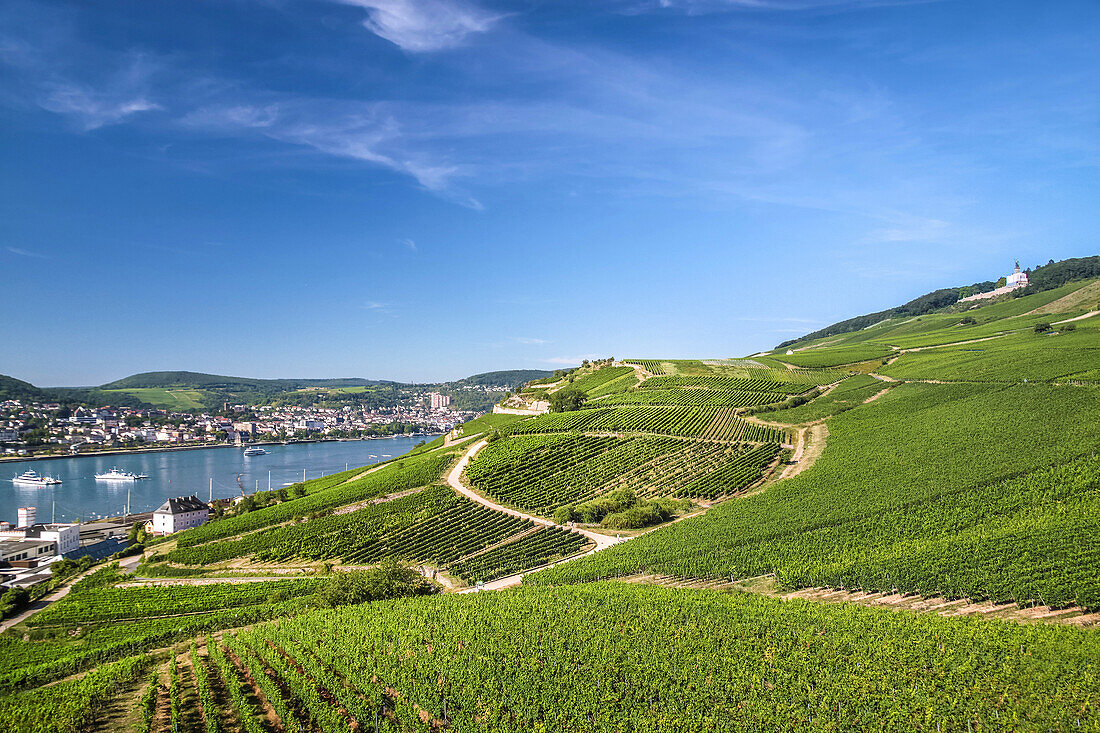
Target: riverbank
171,448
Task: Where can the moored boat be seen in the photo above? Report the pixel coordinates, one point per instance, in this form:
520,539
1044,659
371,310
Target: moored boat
31,478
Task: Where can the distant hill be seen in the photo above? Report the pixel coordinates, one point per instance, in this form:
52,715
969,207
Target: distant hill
512,378
185,391
16,389
1044,277
199,380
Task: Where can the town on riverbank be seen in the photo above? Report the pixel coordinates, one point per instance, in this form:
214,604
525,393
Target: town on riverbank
48,430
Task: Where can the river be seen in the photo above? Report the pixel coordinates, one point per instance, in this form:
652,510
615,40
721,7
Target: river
179,473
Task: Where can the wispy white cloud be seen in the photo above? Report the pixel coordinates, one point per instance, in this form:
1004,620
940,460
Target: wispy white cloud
26,253
368,132
94,108
530,341
409,243
93,95
375,305
420,26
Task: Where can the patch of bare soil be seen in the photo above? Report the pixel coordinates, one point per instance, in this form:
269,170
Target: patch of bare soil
256,697
123,711
876,395
808,448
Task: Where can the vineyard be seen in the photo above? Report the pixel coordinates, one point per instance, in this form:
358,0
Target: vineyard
737,384
394,477
432,525
650,365
691,397
1000,525
613,657
714,423
542,472
829,357
114,604
847,395
595,383
539,548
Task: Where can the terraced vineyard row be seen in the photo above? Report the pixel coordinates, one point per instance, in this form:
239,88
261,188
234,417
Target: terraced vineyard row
539,548
653,366
398,476
111,604
618,385
725,383
717,423
464,529
732,476
699,471
598,658
590,383
432,525
544,472
691,397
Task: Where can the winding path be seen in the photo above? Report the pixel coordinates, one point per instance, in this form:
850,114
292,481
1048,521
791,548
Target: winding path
454,478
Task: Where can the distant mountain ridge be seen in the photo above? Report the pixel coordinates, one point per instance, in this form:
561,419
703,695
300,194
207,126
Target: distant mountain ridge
1044,277
200,380
213,389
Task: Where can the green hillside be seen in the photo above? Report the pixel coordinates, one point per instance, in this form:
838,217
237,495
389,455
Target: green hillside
188,391
16,389
698,544
1054,275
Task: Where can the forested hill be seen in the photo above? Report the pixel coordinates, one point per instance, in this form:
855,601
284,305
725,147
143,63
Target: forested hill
198,380
16,389
180,390
514,378
1043,277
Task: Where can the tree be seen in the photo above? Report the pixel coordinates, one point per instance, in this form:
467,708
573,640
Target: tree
388,580
567,400
137,533
1042,327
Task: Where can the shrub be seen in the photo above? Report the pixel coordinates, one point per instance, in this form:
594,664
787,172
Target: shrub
388,580
1042,327
564,514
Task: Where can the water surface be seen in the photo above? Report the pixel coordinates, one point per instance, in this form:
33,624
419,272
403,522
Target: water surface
179,473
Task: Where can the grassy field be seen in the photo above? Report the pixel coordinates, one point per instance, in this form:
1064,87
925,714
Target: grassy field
182,400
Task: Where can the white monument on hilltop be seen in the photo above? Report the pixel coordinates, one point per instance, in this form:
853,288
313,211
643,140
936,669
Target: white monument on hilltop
1012,282
1017,279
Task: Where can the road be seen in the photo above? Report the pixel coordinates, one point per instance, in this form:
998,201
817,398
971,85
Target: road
454,478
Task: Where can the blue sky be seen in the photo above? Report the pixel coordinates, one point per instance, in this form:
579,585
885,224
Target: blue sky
424,190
